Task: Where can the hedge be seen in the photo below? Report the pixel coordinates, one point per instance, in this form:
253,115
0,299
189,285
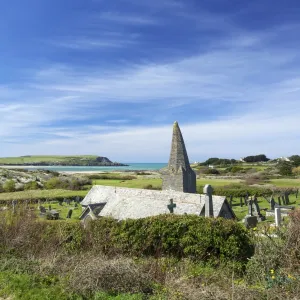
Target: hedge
179,236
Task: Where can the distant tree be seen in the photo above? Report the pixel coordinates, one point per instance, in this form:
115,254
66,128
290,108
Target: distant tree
256,158
295,160
218,161
285,168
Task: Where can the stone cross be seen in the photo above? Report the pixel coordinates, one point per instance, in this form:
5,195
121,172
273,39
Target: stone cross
171,206
208,190
277,216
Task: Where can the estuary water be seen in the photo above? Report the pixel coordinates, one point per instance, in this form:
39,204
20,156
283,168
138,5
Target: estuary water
130,167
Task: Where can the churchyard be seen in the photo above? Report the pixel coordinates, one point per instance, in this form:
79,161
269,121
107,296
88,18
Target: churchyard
150,236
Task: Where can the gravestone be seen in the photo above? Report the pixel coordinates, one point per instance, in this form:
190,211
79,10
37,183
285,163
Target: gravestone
69,215
279,201
241,201
43,210
50,207
208,190
250,221
68,201
283,200
230,200
171,206
273,203
14,204
254,209
52,215
277,216
297,194
286,197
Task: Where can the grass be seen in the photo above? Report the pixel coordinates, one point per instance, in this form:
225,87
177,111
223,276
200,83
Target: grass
290,182
36,159
36,194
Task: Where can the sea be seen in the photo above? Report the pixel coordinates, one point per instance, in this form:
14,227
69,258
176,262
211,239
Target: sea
130,167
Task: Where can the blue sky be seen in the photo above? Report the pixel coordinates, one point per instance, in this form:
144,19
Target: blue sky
110,77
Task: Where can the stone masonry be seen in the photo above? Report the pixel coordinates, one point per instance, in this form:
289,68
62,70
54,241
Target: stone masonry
178,175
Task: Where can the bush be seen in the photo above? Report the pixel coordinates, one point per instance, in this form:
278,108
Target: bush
9,186
211,172
285,168
178,236
32,185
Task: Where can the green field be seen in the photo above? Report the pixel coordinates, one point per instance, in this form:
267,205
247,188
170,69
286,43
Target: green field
43,158
36,194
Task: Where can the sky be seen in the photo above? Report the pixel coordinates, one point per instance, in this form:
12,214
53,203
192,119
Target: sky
110,77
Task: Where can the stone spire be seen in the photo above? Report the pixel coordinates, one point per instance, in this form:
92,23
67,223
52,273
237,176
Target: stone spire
178,175
178,157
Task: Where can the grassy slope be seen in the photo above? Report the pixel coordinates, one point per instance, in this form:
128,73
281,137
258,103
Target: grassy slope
37,159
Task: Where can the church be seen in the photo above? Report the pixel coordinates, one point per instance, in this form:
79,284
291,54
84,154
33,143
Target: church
178,194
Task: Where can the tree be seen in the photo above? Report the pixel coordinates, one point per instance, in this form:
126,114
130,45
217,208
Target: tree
295,159
256,158
285,168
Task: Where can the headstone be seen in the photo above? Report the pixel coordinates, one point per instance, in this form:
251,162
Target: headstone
50,208
208,190
246,198
77,199
43,210
250,207
283,200
171,206
277,216
14,204
241,201
230,200
286,197
69,215
250,221
273,203
279,201
297,194
68,201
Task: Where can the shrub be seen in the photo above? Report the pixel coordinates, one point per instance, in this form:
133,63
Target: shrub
32,185
285,168
211,172
296,171
9,186
179,236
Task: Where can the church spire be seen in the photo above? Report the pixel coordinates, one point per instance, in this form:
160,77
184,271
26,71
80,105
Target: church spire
178,157
178,175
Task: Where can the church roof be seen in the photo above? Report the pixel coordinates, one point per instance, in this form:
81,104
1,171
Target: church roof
123,203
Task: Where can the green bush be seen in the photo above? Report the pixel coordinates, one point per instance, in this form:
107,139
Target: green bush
9,186
179,236
32,185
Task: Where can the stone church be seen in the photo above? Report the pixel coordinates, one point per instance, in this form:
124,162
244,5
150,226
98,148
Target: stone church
178,194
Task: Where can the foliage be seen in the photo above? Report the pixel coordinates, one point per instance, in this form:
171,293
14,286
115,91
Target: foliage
218,161
32,185
211,172
296,171
180,236
285,168
9,186
109,176
295,159
66,183
256,158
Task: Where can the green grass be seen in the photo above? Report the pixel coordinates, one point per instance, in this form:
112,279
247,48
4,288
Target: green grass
134,183
287,182
37,159
36,194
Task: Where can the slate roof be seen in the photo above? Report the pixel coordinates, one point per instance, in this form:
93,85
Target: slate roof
123,203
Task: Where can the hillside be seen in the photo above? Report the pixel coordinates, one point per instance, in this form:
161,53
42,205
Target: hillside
57,160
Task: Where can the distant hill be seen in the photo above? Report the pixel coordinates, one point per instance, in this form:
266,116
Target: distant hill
58,160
